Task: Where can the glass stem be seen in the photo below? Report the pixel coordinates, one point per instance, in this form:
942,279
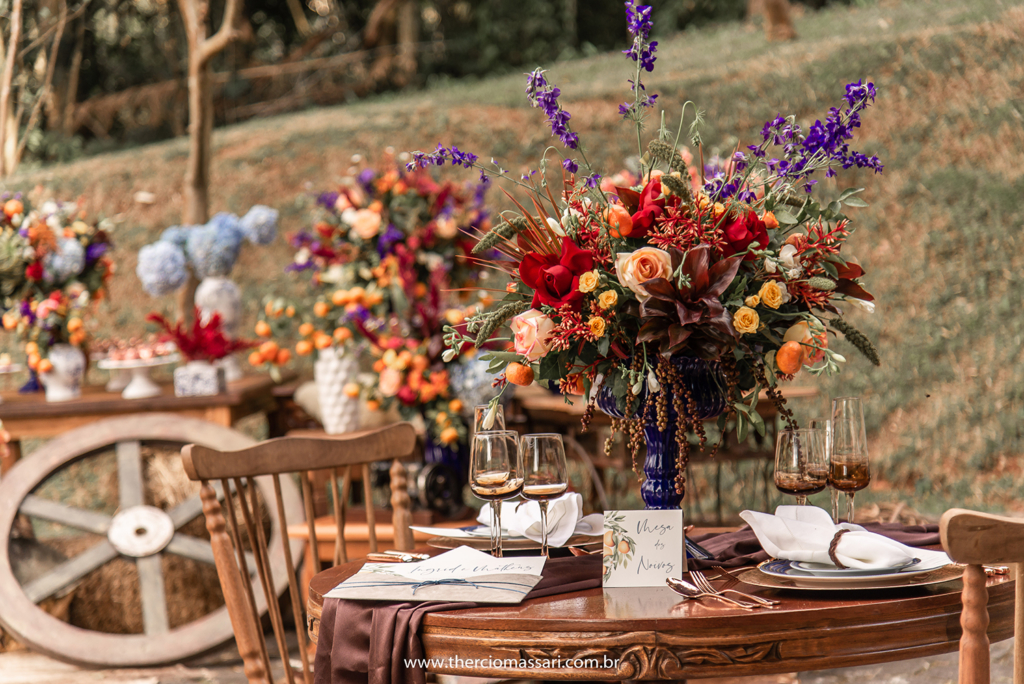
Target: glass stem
835,504
496,531
849,507
543,528
801,500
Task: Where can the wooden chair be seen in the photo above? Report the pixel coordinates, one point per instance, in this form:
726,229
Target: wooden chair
237,472
978,539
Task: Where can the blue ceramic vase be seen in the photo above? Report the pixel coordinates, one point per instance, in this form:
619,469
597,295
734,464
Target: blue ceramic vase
706,383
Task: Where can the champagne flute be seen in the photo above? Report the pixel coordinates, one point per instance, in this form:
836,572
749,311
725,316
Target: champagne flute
544,475
825,425
800,467
495,473
480,416
849,470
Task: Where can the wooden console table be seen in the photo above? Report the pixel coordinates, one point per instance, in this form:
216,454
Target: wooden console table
31,416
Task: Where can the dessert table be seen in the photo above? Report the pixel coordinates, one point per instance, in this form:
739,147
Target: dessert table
31,416
651,634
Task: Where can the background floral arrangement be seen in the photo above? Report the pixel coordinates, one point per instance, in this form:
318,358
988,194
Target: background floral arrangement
53,266
209,250
732,261
389,258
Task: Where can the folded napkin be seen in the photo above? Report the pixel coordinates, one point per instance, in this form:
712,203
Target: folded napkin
565,518
805,533
368,642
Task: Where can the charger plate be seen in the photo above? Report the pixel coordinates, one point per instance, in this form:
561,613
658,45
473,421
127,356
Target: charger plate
507,544
758,578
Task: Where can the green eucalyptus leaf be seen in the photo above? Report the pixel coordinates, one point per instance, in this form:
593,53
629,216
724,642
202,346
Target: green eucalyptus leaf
855,202
783,216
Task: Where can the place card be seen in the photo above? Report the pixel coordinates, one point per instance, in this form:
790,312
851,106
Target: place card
642,548
462,574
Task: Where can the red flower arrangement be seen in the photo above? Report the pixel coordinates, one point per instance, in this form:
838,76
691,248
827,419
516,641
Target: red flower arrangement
205,341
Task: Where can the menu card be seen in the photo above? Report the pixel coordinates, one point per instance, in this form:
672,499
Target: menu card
642,548
462,574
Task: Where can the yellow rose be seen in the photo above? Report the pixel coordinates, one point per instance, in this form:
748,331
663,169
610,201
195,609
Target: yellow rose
771,294
745,320
596,325
589,281
636,268
752,301
608,299
718,209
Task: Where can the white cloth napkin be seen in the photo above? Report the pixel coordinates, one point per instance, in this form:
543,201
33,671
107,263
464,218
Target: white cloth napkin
565,518
804,533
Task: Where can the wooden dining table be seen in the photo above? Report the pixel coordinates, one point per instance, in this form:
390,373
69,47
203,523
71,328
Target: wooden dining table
651,634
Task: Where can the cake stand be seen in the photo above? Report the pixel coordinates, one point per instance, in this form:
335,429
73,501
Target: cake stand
141,385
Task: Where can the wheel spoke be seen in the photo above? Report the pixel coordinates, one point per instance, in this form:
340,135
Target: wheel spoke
197,549
154,599
77,518
190,509
129,474
69,572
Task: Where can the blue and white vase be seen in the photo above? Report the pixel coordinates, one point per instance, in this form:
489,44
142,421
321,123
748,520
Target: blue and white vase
219,295
706,382
64,382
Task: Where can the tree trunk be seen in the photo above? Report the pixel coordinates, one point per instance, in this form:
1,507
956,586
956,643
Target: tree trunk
71,98
5,86
408,35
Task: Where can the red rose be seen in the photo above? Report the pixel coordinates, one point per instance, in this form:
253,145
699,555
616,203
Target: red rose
741,232
556,279
407,395
651,208
34,272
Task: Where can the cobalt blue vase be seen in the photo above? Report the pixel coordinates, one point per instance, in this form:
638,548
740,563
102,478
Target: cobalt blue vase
707,384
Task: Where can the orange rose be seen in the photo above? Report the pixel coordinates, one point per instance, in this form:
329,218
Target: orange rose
389,382
365,223
636,268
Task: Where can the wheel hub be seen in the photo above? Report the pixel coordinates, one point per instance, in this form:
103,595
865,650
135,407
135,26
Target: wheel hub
140,531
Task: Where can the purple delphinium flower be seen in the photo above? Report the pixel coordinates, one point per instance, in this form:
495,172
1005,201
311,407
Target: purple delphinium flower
421,160
327,199
388,238
825,144
366,177
593,181
95,251
570,165
480,191
545,97
638,21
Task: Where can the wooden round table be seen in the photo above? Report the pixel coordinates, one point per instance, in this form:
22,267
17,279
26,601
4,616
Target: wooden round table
650,634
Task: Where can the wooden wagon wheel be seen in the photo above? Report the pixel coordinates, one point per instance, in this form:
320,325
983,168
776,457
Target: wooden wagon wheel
137,532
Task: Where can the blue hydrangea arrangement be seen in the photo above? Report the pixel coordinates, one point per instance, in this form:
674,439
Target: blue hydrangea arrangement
66,263
210,250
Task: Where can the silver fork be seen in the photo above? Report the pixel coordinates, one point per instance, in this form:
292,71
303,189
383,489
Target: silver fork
705,585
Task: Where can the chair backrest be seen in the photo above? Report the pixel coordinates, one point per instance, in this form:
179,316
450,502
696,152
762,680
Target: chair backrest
235,474
978,539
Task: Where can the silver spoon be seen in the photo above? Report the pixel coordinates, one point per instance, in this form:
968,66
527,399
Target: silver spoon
687,590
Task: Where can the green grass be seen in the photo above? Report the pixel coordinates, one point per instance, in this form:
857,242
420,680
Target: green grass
941,241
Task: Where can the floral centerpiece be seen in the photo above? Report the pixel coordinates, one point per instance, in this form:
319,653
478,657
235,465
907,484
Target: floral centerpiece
53,266
389,259
680,297
202,344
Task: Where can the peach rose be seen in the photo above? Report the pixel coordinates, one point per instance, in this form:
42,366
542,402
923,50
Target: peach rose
532,332
389,382
365,223
636,268
447,228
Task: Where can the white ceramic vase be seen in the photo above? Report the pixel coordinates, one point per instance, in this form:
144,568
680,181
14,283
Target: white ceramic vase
64,382
216,294
332,370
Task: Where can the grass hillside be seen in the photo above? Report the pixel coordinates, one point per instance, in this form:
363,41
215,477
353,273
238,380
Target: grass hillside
941,241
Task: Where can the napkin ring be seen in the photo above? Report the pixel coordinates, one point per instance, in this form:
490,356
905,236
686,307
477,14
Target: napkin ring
832,549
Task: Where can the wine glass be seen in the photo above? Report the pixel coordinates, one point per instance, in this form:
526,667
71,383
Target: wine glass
848,469
800,466
480,415
825,425
495,473
544,474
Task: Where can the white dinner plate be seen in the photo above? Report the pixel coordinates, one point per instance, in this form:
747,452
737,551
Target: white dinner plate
828,570
786,569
